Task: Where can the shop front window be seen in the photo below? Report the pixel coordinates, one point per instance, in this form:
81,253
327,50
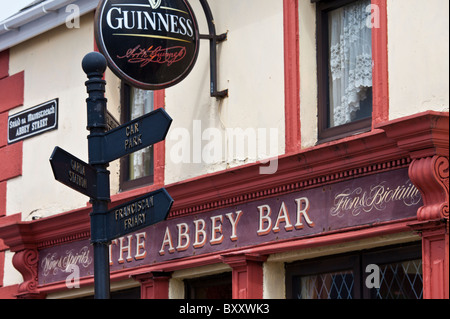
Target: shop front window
211,287
402,280
384,274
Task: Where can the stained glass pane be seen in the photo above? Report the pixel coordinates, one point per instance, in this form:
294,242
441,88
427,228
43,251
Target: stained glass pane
336,285
402,280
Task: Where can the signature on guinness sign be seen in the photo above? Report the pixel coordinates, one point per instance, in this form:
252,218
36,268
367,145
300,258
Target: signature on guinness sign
151,44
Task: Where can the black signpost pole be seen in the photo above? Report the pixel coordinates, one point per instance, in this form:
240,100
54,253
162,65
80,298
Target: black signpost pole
94,65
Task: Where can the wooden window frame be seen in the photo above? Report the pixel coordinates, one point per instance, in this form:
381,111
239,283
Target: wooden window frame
158,163
380,89
330,133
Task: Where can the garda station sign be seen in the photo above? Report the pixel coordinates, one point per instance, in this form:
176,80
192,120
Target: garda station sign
151,44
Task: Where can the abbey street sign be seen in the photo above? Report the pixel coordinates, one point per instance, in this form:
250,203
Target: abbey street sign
151,44
33,121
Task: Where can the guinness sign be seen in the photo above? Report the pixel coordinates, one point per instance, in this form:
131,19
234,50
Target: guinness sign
151,44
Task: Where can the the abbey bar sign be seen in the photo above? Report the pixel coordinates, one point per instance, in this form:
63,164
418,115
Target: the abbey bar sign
152,44
362,202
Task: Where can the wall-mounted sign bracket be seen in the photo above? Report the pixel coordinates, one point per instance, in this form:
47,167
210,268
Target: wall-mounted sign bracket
214,39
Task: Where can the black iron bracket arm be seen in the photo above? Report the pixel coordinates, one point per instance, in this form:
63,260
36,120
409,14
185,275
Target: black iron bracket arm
214,39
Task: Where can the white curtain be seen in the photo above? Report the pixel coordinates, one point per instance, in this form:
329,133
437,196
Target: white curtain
350,60
141,104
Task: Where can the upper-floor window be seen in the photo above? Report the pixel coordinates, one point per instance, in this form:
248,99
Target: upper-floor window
344,67
137,168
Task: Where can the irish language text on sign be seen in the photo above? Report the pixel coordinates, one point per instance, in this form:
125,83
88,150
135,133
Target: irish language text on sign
33,121
73,172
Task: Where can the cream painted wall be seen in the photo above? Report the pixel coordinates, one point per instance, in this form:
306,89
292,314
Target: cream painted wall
251,66
52,67
308,73
418,34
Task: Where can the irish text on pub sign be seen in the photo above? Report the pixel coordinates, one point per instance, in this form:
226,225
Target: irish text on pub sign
33,121
151,44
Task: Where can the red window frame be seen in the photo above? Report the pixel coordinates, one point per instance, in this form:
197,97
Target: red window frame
380,112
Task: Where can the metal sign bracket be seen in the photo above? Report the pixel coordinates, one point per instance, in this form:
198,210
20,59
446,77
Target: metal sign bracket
214,39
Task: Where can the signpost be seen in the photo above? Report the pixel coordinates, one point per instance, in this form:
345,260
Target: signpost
156,51
92,179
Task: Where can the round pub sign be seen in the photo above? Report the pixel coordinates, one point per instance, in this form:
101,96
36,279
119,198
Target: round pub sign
151,44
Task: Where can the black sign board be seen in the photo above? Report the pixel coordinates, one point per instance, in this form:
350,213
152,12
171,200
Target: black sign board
33,121
137,214
136,135
111,121
151,44
73,172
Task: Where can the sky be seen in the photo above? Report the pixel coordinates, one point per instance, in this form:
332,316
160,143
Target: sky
9,7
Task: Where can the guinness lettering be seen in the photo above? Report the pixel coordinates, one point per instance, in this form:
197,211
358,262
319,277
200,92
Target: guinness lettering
152,44
143,20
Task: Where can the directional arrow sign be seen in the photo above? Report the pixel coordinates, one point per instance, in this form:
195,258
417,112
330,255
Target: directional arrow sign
136,135
73,172
137,214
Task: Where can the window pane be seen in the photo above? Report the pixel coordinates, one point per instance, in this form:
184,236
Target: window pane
350,64
402,280
212,287
337,285
141,103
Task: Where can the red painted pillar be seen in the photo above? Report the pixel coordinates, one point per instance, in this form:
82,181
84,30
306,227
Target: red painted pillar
435,259
11,96
154,285
431,176
425,137
247,275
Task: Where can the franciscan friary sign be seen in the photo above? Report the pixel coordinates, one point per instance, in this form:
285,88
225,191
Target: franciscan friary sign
152,44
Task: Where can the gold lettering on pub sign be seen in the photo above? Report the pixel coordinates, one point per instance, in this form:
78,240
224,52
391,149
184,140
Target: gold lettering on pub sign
133,137
133,214
77,174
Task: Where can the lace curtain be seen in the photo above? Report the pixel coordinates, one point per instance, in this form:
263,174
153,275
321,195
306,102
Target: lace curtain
141,104
350,60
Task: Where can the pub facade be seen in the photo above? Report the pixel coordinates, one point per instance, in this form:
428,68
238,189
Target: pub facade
307,157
